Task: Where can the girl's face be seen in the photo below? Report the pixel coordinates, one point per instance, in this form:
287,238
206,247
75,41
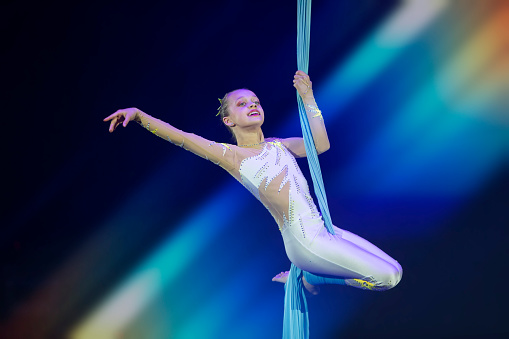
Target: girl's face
245,109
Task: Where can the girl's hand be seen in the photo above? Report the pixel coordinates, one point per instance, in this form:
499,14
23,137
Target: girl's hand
303,84
122,116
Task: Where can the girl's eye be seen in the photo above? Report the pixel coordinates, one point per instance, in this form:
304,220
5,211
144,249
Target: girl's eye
241,104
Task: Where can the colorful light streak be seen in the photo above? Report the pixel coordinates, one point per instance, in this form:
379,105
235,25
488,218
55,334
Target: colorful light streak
451,135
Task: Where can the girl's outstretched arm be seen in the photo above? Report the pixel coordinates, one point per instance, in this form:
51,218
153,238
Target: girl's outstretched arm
303,85
219,153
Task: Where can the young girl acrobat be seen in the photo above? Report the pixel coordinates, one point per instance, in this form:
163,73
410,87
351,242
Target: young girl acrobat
268,169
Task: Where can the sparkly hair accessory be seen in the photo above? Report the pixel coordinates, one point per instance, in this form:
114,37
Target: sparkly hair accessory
219,109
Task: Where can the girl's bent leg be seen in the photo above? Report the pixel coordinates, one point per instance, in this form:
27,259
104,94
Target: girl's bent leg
344,256
367,246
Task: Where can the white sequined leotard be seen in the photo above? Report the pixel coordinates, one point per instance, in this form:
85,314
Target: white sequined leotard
275,179
270,172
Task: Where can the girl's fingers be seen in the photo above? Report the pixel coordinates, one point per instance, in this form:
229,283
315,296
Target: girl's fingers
115,122
302,79
302,82
111,116
301,73
112,124
122,116
302,76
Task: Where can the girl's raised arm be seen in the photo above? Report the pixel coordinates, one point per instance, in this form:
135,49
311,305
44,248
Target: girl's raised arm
303,85
219,153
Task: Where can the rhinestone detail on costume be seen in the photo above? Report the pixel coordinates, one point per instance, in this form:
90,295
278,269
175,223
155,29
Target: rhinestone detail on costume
225,146
315,110
367,283
297,186
302,227
261,171
288,210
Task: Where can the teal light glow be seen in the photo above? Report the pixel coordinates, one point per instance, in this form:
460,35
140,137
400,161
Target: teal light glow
376,52
432,151
162,267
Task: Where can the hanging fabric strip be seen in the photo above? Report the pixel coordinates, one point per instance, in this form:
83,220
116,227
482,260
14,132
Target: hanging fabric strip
295,321
303,30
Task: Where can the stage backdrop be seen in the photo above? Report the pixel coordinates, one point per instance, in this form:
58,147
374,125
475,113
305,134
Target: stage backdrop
125,235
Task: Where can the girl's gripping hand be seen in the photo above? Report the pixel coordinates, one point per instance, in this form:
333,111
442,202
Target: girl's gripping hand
303,85
122,116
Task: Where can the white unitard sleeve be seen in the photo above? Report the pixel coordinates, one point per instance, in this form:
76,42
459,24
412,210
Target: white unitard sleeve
219,153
